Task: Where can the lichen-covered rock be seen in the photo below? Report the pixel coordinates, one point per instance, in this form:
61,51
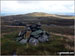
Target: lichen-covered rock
23,41
33,41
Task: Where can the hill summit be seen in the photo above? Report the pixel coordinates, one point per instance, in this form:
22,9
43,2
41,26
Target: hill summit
39,14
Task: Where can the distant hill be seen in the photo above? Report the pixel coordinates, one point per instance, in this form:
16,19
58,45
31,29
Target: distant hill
39,14
44,18
42,14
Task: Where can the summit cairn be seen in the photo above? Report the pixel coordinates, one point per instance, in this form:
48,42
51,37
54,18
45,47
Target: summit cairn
37,35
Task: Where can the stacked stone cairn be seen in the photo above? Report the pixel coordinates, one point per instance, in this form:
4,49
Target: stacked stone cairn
37,35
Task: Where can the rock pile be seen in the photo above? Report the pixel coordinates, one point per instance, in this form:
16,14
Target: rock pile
37,35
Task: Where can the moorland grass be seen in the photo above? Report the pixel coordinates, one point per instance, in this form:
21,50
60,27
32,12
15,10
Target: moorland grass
9,46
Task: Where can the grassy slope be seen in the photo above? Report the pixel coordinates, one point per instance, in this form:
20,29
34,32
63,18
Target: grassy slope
56,44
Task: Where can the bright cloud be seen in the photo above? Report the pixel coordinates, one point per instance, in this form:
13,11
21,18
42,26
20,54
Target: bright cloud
37,6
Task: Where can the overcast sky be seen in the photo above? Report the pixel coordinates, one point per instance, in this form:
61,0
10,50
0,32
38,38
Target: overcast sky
23,7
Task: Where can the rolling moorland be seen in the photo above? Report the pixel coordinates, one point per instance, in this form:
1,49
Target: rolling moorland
60,28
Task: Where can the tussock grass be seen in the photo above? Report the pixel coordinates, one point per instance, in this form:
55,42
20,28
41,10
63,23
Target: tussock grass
9,46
